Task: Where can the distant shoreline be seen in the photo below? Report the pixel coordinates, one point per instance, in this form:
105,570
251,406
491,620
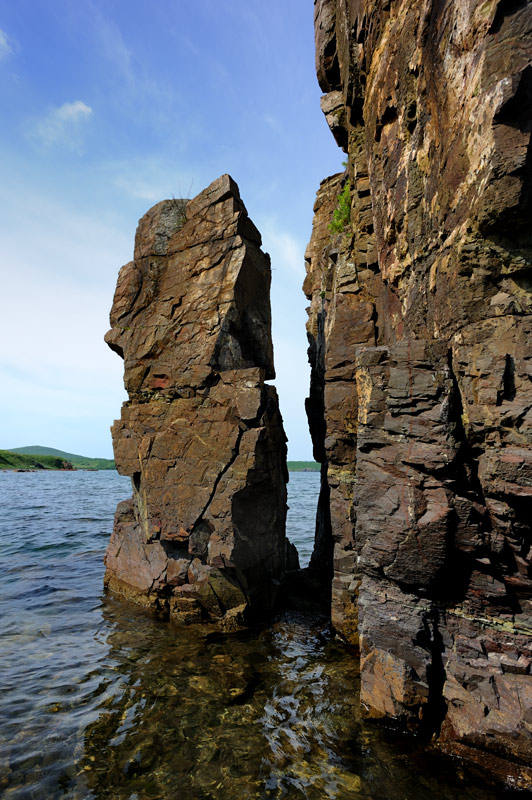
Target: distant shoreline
40,468
39,457
36,458
303,466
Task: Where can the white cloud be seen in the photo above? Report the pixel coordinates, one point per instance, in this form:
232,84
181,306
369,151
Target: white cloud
285,250
6,47
64,126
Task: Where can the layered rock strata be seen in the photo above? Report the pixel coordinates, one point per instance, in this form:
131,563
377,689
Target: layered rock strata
420,345
201,436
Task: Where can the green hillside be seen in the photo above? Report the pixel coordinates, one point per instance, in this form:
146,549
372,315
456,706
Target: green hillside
10,460
80,462
303,466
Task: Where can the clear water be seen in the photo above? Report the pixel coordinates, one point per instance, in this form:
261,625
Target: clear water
303,490
99,700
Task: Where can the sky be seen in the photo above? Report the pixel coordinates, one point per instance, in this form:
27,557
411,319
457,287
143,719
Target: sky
109,106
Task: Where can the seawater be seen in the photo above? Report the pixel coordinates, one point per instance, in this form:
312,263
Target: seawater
101,700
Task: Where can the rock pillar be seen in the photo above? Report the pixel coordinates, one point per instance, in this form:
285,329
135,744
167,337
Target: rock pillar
201,436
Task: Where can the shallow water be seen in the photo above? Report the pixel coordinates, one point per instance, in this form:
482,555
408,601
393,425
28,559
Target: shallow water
100,700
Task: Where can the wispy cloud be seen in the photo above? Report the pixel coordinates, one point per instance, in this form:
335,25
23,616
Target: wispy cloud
112,46
64,126
133,84
285,250
152,178
273,124
6,46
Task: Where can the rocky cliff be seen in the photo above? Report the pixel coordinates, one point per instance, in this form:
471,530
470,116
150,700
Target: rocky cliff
201,436
420,407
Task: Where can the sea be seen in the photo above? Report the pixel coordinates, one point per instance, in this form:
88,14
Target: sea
101,700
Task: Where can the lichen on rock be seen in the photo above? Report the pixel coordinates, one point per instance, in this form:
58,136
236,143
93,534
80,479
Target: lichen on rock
201,435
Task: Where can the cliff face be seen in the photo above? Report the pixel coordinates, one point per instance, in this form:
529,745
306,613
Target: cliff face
420,325
201,436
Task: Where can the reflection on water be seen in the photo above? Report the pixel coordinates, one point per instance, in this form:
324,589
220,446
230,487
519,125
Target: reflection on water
101,701
212,716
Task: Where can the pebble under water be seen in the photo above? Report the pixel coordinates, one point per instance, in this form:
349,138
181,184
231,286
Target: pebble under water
100,700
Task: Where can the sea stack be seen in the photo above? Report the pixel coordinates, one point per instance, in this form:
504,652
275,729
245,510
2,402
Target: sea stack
420,329
201,436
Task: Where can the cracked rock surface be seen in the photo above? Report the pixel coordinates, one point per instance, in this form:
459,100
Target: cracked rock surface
201,436
420,331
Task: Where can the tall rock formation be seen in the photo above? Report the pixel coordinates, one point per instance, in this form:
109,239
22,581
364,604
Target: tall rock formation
201,436
420,345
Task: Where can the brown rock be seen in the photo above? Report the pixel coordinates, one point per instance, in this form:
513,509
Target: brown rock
201,435
419,328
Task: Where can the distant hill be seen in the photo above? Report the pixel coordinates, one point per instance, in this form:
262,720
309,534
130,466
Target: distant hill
303,466
11,460
80,462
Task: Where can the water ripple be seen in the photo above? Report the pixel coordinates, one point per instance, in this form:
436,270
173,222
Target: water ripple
101,701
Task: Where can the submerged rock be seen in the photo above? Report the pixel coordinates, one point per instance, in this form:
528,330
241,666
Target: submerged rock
201,436
420,326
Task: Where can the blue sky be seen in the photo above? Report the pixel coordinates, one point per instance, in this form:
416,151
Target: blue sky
109,106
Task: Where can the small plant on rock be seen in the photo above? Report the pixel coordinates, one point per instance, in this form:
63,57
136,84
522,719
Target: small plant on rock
342,212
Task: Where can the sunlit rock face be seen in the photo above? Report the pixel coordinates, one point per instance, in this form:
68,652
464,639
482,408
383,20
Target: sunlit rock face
420,330
201,436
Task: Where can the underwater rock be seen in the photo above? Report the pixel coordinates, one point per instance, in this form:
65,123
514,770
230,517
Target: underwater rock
419,329
201,436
